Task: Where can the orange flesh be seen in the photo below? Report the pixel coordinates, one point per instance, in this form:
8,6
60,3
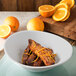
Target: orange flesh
59,14
66,16
46,7
4,31
62,5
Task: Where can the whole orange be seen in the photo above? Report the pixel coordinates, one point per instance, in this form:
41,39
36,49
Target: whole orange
35,24
12,22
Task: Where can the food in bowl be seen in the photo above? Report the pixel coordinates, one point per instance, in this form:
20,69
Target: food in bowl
37,55
15,45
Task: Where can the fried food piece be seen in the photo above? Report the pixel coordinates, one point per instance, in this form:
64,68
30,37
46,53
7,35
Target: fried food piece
34,60
25,55
44,53
39,62
31,58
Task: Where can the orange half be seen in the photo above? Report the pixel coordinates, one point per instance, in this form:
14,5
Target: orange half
5,31
46,10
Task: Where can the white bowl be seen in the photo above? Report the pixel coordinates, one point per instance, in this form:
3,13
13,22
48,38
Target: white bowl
16,44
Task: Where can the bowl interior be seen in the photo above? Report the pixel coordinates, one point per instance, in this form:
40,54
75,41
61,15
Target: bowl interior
16,44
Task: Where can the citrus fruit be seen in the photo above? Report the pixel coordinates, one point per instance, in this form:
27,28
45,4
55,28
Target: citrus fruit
12,22
66,16
70,3
5,31
46,10
60,14
35,24
61,5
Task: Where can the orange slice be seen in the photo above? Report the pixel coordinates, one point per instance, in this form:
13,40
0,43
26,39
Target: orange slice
46,10
5,31
66,16
61,5
70,3
60,14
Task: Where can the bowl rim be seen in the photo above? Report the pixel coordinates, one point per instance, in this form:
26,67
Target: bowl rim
37,67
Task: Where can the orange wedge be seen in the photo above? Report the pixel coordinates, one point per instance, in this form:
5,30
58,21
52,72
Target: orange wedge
60,14
66,16
61,5
70,3
46,10
5,31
